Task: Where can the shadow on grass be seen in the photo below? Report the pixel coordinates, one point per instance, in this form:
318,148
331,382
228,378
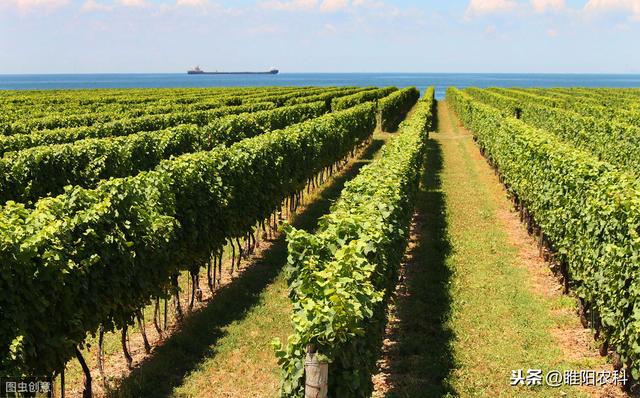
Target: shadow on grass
421,361
197,337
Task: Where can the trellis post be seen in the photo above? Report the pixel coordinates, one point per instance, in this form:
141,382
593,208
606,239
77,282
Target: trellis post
316,375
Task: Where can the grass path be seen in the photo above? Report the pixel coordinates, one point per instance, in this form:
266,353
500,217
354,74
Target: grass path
224,349
476,302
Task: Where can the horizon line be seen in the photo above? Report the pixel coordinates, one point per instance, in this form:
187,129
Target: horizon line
332,73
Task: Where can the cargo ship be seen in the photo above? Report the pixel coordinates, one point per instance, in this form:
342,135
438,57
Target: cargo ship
198,71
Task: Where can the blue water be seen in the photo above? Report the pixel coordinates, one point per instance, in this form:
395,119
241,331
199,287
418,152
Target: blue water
420,80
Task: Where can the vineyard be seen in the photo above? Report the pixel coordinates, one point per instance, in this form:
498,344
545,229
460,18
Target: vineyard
151,237
568,158
111,196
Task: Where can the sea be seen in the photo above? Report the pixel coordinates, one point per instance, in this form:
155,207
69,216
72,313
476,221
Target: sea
420,80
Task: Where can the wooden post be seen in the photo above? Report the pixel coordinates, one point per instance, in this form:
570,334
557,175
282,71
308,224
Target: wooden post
316,375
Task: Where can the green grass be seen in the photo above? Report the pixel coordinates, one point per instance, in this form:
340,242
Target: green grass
421,358
467,314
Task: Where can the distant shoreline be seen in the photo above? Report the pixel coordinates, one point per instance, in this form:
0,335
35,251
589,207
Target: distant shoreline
337,73
421,80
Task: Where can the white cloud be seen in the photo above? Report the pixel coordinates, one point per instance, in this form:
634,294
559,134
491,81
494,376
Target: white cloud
292,5
133,3
493,32
486,7
94,6
483,7
319,5
544,5
333,5
192,3
597,7
205,8
368,3
31,5
330,29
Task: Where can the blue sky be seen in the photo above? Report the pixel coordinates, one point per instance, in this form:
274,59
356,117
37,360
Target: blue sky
85,36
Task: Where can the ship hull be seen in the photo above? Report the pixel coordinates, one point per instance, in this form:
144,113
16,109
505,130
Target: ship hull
191,72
